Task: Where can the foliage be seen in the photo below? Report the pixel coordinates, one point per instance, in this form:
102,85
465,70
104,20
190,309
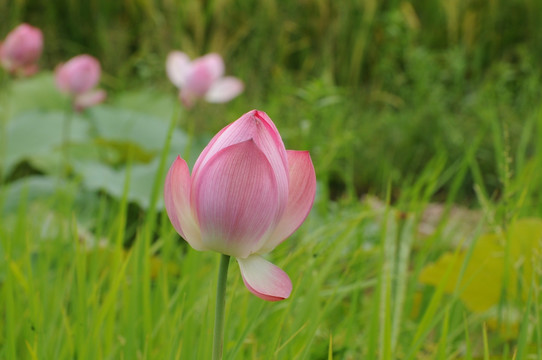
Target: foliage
499,271
386,101
394,87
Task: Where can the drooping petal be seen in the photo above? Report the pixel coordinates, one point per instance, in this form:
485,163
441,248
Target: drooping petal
300,198
90,98
264,279
255,125
177,201
177,68
225,89
235,197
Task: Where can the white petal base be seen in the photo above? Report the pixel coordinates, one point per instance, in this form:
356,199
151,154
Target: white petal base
265,280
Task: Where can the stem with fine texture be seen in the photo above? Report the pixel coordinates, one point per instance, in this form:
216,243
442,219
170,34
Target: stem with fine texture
218,338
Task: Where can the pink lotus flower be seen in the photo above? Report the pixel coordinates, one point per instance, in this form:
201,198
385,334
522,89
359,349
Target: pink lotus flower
201,78
21,50
78,77
246,195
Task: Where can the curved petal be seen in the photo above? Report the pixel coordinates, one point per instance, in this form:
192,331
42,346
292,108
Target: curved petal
22,48
214,64
235,197
255,125
264,279
77,76
89,99
225,89
177,68
203,73
177,201
252,125
300,198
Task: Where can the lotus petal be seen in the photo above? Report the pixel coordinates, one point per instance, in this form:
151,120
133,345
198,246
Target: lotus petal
264,279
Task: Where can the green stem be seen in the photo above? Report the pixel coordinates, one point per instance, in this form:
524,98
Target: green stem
5,89
191,132
66,129
218,338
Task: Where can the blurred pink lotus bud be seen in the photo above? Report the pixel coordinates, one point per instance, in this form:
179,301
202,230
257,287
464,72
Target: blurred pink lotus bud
21,50
78,77
246,195
201,78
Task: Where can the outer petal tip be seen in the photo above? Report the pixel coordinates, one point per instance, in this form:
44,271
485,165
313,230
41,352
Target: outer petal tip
264,279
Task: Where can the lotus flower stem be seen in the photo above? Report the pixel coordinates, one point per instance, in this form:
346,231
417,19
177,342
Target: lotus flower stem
65,153
218,337
5,89
191,132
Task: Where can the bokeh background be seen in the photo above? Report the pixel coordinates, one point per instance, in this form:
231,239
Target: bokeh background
376,89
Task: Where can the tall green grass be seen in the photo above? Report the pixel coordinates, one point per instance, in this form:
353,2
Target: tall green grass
414,102
69,291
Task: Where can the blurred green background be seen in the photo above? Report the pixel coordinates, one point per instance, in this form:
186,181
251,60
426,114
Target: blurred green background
375,89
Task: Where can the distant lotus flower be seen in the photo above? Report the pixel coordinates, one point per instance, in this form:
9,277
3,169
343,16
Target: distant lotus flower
201,78
21,50
78,77
246,195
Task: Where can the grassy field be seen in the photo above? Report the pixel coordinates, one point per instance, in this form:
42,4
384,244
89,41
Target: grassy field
423,120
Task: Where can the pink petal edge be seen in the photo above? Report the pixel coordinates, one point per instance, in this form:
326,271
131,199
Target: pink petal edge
177,201
224,90
214,64
255,125
89,99
177,68
300,198
264,279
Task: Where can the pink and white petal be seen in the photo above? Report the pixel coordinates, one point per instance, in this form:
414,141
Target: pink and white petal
78,75
90,98
210,148
214,64
204,71
177,68
199,79
300,198
177,200
264,279
235,197
225,89
258,126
